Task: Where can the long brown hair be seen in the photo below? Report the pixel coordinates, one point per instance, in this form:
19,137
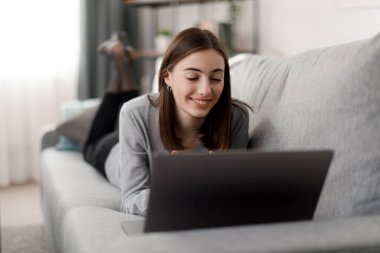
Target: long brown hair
216,130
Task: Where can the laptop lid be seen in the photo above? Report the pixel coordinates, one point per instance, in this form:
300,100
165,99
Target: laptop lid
234,188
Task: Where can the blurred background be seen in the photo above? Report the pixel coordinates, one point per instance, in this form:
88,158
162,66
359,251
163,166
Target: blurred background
48,50
48,55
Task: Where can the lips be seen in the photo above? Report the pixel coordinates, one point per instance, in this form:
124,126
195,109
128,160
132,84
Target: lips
201,101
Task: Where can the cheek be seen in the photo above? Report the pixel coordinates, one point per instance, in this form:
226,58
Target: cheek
180,92
181,88
218,90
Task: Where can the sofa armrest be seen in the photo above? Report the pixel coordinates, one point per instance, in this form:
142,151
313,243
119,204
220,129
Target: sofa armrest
49,136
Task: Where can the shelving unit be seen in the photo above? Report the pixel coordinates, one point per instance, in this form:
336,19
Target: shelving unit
158,3
147,57
176,3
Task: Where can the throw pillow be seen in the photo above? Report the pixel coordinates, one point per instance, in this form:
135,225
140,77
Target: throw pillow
77,118
327,98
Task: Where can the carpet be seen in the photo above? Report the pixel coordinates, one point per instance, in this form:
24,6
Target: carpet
30,239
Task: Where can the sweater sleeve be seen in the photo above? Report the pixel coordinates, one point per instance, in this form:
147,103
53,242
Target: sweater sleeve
134,162
240,122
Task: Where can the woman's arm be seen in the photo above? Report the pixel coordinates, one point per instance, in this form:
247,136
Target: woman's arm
135,173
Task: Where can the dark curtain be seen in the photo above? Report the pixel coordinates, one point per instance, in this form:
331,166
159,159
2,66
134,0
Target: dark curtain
99,19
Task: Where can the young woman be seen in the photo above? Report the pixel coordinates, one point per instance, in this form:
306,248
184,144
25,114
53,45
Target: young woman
193,112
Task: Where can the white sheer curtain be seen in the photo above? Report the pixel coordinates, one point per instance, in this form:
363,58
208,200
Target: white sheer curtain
39,51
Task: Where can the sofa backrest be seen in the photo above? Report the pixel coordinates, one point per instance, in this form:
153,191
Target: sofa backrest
327,98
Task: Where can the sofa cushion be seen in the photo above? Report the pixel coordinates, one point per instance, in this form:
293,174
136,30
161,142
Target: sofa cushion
95,229
68,182
325,98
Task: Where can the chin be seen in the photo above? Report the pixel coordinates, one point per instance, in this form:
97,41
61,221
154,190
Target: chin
200,115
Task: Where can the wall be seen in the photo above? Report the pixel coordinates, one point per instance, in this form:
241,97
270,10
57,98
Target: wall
292,26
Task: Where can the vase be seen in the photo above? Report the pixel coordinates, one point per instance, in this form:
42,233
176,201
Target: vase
161,42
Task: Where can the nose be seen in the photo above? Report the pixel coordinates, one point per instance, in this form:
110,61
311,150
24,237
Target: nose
204,87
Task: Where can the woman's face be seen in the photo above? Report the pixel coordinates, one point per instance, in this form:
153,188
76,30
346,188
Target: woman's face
197,82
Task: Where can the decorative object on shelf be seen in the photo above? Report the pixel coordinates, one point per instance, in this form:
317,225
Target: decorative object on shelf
227,29
162,40
209,24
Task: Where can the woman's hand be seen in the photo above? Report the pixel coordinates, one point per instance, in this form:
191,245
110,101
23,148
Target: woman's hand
176,152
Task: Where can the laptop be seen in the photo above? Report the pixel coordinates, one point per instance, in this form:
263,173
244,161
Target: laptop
232,188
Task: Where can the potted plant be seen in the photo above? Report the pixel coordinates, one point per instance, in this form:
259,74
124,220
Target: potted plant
162,40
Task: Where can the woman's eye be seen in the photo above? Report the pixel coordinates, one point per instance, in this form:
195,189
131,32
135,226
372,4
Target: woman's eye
216,79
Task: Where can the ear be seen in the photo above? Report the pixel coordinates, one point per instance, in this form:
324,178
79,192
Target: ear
168,77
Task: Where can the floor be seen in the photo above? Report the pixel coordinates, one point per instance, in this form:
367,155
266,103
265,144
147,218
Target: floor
22,226
20,205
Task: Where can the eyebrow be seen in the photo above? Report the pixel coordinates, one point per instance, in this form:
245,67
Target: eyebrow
198,70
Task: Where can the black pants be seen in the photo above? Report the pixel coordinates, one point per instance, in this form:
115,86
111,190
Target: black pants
104,132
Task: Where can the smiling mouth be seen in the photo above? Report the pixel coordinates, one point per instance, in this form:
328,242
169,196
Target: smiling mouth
201,101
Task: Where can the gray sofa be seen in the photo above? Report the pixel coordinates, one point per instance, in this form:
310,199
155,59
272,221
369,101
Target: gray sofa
325,98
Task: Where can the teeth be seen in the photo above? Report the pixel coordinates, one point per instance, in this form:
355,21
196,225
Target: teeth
201,102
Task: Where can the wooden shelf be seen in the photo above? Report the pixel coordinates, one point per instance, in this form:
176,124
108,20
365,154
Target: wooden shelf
147,53
158,3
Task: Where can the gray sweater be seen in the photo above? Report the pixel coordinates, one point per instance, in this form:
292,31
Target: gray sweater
129,162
